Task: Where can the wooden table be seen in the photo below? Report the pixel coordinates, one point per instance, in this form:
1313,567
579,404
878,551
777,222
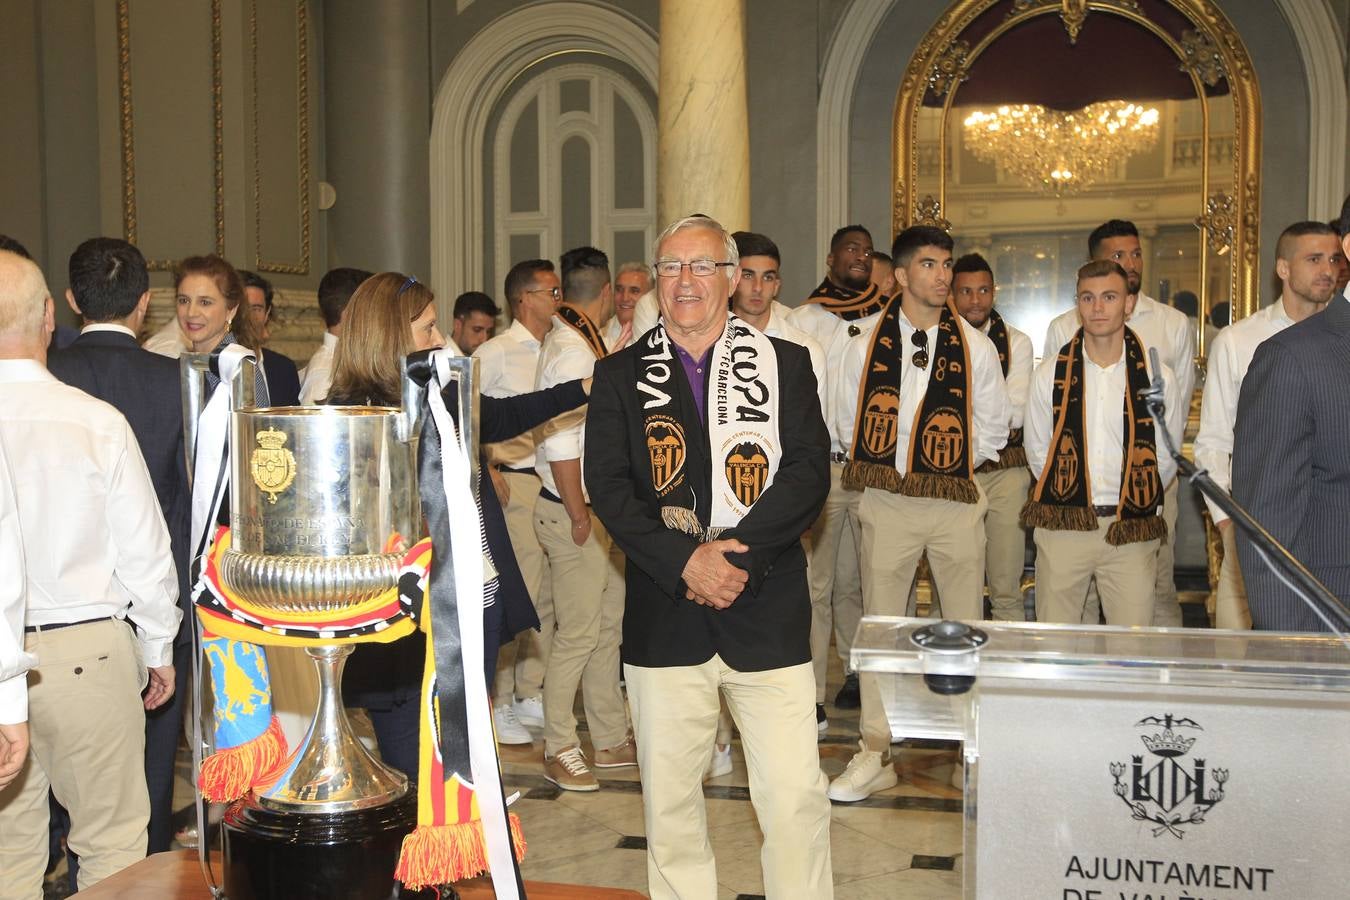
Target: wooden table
176,876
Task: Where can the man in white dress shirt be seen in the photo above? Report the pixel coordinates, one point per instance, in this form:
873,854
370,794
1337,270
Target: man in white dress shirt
1085,426
1308,258
1173,334
14,662
588,595
335,289
631,282
506,368
1003,480
98,559
928,407
845,304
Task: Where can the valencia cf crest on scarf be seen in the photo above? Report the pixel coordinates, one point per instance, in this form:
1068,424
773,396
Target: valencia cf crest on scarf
747,470
881,419
666,447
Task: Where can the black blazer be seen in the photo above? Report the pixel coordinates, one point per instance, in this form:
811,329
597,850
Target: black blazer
1291,462
769,625
143,386
283,379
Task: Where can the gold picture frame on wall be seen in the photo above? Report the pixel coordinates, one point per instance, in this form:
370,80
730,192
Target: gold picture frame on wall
1206,47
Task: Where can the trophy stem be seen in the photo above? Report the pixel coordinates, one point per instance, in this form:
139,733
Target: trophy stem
332,771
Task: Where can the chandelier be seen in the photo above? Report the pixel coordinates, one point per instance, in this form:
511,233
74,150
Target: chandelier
1061,152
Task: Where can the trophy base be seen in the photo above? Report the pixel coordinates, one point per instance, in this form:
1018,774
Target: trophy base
271,854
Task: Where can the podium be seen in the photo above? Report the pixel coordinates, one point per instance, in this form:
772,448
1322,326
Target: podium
1110,763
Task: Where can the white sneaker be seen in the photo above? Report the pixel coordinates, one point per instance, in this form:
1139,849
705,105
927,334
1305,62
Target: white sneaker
509,729
866,774
719,763
530,711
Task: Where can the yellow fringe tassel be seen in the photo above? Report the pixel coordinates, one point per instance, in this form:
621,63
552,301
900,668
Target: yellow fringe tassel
1057,518
442,854
1135,531
228,774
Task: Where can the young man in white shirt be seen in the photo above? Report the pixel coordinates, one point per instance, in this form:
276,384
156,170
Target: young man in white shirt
1173,334
506,368
335,289
587,592
98,559
1308,258
845,304
928,407
1003,480
1098,460
14,662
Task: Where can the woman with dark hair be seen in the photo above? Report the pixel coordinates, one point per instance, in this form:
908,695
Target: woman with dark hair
210,294
389,316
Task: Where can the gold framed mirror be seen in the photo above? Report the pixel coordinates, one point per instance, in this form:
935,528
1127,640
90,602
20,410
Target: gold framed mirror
1022,124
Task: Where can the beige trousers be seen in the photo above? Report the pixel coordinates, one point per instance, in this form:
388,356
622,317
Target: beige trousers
835,580
1166,609
675,717
1066,561
585,651
1230,606
896,531
87,732
521,662
1005,540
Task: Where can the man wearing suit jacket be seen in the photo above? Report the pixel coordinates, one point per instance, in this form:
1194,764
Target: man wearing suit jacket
706,459
1290,467
110,288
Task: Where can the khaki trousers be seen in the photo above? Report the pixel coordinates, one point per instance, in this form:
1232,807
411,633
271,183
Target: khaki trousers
835,579
1066,561
1230,606
1005,540
675,717
87,733
1166,609
896,531
585,651
521,662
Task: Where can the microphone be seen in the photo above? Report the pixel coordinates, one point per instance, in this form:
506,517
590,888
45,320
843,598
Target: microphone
1154,398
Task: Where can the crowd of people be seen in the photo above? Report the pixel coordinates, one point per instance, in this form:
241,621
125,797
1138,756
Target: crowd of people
689,489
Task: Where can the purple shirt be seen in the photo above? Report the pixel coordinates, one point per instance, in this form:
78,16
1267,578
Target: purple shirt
696,370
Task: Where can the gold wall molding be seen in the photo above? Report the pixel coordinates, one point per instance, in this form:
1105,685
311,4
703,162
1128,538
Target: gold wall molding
302,124
127,127
1211,45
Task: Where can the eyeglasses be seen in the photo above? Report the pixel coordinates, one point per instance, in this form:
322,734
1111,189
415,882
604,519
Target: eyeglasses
920,341
553,292
671,268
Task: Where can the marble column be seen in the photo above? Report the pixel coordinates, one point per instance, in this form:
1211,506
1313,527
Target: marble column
377,127
703,162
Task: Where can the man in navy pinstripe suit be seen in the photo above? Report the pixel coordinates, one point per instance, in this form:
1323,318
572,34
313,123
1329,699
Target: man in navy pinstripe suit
1291,459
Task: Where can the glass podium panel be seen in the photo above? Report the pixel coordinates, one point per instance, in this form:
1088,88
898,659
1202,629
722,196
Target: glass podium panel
1129,763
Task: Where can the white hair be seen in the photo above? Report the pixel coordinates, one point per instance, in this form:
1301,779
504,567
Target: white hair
705,222
23,296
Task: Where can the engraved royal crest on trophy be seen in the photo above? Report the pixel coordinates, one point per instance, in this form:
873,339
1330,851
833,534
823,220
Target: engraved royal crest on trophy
1161,788
272,465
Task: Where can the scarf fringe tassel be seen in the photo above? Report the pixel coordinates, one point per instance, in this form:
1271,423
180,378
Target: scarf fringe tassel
1058,518
442,854
858,475
680,518
230,773
1008,458
1135,531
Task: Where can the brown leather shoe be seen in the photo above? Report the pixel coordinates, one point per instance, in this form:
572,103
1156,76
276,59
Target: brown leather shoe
568,770
624,754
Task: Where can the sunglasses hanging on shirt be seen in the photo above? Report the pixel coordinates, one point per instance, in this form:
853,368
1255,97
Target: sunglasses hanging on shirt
920,341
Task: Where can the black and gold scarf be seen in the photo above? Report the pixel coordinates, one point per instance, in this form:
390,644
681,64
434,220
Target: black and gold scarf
582,325
1062,498
1013,455
846,303
939,461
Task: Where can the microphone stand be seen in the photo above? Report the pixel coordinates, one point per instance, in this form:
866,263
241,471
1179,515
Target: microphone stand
1326,605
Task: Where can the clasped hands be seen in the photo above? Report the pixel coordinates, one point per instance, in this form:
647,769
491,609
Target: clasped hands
711,579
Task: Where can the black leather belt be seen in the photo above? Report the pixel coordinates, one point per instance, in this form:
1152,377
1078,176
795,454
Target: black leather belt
1105,512
839,458
518,471
34,629
546,494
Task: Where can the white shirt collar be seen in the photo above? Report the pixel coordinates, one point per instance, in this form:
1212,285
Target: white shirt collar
330,340
14,371
523,335
107,326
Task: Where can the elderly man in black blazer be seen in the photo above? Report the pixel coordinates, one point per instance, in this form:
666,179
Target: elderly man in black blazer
707,458
110,288
1291,467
